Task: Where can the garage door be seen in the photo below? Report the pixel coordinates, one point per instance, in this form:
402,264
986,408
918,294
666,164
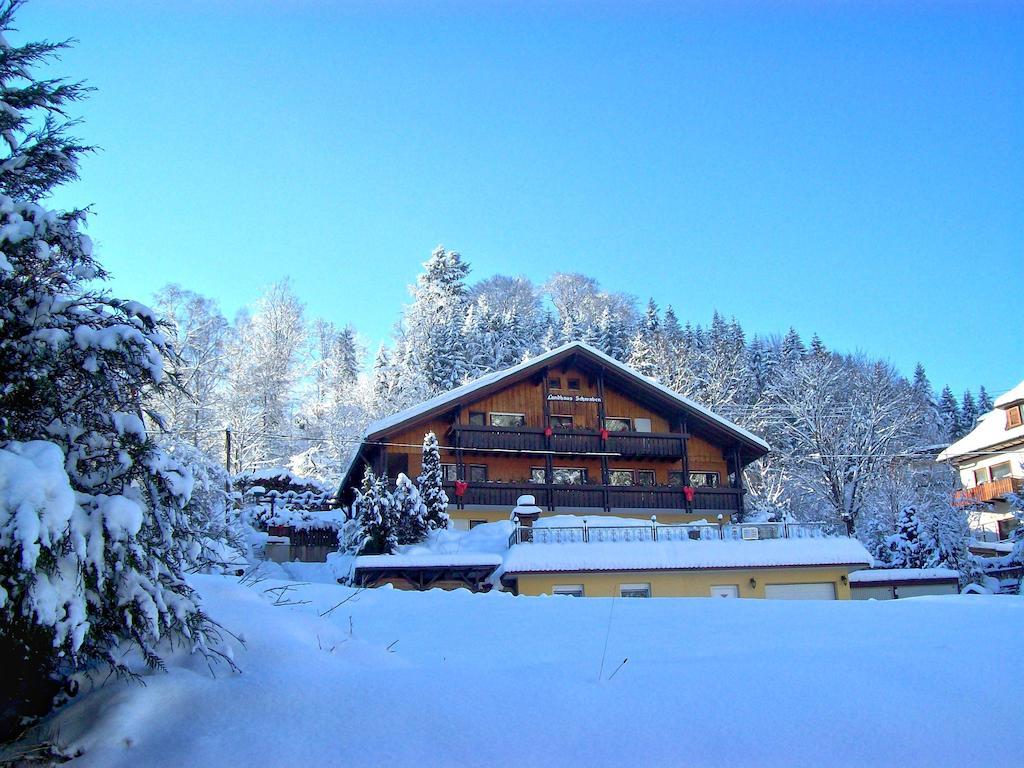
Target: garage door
823,591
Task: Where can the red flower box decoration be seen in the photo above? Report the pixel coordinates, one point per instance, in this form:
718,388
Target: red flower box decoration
604,434
460,487
688,493
548,431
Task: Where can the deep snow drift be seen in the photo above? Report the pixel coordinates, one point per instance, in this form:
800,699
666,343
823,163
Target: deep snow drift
497,680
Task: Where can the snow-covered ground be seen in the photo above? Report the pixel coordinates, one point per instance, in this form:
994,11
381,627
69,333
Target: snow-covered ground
451,678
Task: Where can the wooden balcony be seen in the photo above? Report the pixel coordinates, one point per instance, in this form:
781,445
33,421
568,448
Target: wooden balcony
992,491
581,441
611,497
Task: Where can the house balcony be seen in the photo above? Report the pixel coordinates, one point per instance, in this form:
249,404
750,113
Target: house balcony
991,491
607,497
647,445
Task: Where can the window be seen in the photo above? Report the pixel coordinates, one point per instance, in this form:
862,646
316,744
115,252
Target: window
478,418
981,476
999,471
537,475
573,383
645,477
634,590
617,424
508,420
573,590
474,523
697,479
704,479
449,472
642,425
569,476
561,422
554,383
1013,417
476,473
620,477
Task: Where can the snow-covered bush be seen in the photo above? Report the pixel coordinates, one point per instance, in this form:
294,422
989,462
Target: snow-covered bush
410,511
95,551
374,508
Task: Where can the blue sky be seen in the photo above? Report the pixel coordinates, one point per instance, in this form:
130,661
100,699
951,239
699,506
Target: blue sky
854,171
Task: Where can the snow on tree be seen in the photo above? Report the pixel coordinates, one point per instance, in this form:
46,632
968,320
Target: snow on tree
265,367
410,511
646,353
949,414
985,404
374,508
968,413
197,369
613,335
431,486
95,535
908,546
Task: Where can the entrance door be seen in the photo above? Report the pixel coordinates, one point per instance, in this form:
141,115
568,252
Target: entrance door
726,590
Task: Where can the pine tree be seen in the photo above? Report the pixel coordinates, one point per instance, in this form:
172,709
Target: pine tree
968,413
646,351
93,512
410,512
818,347
985,404
949,414
374,508
908,545
431,486
792,348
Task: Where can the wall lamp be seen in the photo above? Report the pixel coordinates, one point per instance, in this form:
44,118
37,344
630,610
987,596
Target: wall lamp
753,583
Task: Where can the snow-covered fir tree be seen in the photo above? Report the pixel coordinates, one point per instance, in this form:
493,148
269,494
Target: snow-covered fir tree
908,546
94,526
968,413
374,508
647,352
985,404
431,486
410,511
949,415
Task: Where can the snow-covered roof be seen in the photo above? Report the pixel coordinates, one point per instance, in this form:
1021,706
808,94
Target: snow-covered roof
1006,547
467,389
990,431
428,560
879,575
677,555
1012,396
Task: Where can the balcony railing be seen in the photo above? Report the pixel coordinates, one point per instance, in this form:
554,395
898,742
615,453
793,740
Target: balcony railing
540,534
653,497
992,491
581,441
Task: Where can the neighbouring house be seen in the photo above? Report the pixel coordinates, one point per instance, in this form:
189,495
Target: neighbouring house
606,556
990,460
895,583
577,430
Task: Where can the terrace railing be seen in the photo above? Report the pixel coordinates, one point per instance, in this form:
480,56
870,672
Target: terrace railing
654,497
579,441
654,531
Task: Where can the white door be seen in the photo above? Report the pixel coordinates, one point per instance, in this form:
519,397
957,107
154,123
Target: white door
822,591
727,590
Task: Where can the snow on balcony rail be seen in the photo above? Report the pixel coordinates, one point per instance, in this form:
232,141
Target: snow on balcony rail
601,532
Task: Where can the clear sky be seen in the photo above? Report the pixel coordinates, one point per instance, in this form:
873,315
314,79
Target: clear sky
854,171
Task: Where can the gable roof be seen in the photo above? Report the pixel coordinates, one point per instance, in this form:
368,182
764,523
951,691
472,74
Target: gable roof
495,380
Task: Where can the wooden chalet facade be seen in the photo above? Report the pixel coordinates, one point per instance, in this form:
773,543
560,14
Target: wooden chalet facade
580,432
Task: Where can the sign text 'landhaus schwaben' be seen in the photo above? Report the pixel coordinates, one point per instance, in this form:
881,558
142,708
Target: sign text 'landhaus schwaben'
575,398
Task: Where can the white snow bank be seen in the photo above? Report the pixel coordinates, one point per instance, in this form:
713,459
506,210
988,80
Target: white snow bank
872,575
321,687
659,555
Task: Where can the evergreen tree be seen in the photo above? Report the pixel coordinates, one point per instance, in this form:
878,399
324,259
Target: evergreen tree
646,351
818,347
93,520
410,512
968,413
374,508
931,430
949,414
431,484
909,545
792,348
985,404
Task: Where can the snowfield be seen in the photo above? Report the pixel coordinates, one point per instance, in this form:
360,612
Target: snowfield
497,680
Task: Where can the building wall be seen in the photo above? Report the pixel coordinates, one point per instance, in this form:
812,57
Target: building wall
687,583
